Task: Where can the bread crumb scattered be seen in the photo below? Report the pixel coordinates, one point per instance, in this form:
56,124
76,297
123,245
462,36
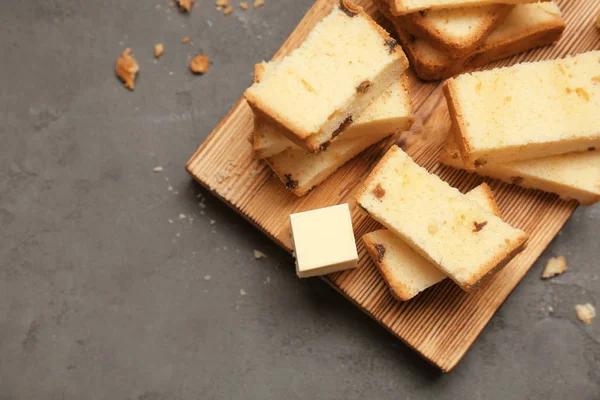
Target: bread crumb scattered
200,64
228,10
259,254
207,277
158,169
170,188
170,221
259,3
267,280
212,222
222,3
171,4
159,49
244,5
185,5
185,39
242,292
556,266
182,217
585,312
127,69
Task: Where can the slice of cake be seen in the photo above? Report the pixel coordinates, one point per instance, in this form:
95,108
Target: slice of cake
300,171
571,176
527,111
453,232
402,7
458,31
527,26
406,272
388,113
314,93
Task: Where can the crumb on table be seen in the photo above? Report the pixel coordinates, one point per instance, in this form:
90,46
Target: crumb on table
244,5
259,3
222,3
200,64
585,312
556,266
159,49
259,254
185,5
227,10
127,69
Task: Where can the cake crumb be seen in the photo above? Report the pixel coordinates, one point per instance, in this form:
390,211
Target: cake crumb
159,49
157,169
585,312
556,266
185,39
228,10
242,292
200,64
185,5
222,3
259,3
127,69
244,5
259,254
207,277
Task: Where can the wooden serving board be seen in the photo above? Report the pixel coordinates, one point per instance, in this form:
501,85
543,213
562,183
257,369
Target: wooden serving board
443,322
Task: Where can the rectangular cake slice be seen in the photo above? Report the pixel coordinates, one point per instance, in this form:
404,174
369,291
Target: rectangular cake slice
527,111
458,236
387,114
402,7
406,272
314,93
571,176
458,31
527,26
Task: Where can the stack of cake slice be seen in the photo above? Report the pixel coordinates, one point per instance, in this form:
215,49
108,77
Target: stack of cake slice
434,231
443,38
341,91
534,124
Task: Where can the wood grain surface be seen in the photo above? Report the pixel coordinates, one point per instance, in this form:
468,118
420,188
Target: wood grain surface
443,322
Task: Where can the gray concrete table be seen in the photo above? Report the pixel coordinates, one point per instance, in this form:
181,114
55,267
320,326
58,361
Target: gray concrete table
118,282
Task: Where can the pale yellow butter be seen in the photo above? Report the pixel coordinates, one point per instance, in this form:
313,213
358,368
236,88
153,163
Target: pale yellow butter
323,241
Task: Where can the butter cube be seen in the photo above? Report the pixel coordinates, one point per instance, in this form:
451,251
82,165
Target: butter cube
324,241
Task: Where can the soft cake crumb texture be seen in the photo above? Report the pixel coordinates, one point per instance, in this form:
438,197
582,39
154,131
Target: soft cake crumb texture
406,271
323,241
537,104
556,266
309,87
437,220
572,175
385,114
